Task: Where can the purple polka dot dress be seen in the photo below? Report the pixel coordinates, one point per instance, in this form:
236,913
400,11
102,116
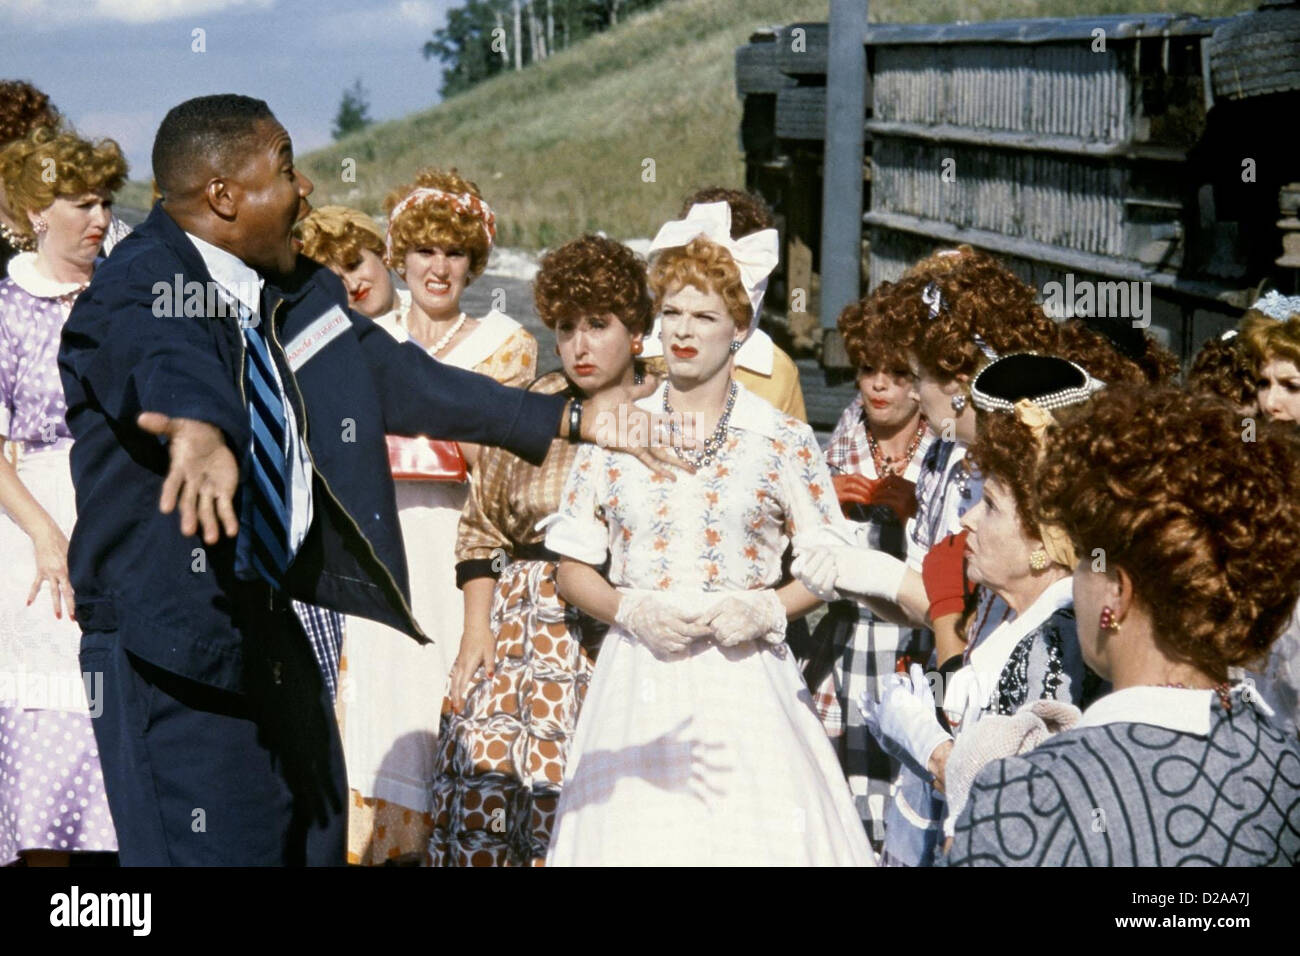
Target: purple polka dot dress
51,786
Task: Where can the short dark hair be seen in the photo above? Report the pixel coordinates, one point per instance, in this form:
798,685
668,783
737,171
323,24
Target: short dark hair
749,212
206,129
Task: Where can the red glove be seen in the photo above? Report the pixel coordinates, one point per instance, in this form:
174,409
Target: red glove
854,489
944,573
897,493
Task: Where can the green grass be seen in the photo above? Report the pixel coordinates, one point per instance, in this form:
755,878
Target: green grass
558,149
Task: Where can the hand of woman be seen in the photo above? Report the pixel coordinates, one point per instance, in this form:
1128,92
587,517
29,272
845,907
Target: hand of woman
659,625
51,550
478,649
748,616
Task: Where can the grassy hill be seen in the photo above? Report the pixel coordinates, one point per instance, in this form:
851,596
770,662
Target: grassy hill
560,148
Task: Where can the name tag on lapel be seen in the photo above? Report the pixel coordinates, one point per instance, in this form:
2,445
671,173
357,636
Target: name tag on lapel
315,337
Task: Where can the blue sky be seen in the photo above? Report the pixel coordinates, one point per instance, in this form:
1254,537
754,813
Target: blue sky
114,67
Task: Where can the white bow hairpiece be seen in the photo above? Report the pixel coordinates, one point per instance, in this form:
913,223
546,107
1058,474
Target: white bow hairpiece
1278,306
756,255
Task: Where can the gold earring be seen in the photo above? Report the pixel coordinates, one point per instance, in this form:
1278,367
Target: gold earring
1038,560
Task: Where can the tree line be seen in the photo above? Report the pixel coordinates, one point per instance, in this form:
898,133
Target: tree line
485,37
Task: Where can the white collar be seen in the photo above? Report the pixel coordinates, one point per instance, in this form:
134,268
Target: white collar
992,652
231,273
757,354
22,269
750,412
1184,710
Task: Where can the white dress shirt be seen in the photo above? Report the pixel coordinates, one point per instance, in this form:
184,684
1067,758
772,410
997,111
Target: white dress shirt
242,283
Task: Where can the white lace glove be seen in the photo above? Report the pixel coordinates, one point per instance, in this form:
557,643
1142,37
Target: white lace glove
663,628
854,572
748,616
904,720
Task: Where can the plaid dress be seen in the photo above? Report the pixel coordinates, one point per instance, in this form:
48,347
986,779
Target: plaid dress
868,653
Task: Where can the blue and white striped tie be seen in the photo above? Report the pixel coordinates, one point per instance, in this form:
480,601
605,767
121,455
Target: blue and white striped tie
264,537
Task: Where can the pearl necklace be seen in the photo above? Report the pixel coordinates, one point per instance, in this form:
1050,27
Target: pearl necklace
712,444
441,344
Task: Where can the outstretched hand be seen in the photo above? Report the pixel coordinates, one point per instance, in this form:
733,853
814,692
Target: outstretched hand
202,478
612,421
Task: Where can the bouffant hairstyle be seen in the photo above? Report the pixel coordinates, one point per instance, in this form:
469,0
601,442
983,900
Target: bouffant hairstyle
335,235
941,261
980,297
79,166
23,108
592,276
706,266
1224,368
1205,524
431,223
1098,355
749,213
1268,338
879,328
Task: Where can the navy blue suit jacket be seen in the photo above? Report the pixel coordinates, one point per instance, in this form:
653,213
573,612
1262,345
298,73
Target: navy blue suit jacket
132,569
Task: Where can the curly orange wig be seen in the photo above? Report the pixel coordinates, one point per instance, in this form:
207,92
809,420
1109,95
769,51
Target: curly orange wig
940,261
1205,524
592,276
1224,369
980,297
1267,338
78,165
879,329
23,108
431,223
706,266
749,213
335,235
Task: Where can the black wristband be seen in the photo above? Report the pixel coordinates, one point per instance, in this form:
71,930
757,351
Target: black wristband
575,421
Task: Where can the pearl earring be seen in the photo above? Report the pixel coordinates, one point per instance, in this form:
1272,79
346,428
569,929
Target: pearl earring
734,347
1106,620
959,403
40,225
1038,560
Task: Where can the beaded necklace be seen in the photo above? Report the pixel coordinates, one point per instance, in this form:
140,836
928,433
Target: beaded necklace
886,465
713,443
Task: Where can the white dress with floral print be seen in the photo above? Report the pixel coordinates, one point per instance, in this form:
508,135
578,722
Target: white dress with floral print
713,756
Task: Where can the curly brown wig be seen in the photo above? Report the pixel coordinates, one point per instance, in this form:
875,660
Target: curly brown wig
879,328
1224,368
749,213
335,235
437,224
23,108
79,166
1206,524
592,276
1097,355
706,266
1267,338
980,297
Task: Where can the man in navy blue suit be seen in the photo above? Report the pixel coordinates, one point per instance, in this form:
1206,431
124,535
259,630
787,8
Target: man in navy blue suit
209,368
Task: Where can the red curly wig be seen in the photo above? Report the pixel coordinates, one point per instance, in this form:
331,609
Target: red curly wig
1205,523
592,276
